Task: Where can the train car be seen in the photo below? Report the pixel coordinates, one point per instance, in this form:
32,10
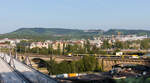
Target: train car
135,56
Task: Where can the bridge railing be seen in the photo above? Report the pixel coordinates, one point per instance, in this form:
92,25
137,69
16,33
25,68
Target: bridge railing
40,77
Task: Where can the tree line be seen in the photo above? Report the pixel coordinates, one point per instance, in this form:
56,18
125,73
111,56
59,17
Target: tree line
86,64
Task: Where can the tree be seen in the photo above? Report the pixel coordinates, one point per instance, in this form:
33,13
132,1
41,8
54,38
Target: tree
106,45
118,45
43,51
63,50
22,46
89,63
52,66
59,49
145,44
87,46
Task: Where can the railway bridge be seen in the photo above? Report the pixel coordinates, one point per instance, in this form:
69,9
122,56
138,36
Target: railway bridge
107,63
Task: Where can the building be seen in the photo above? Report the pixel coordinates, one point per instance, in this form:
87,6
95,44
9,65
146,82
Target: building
97,43
58,44
11,42
39,45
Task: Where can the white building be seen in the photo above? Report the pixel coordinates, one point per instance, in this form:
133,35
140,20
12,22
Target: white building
39,45
98,43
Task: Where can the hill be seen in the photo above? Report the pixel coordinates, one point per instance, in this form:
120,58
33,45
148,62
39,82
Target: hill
127,32
59,33
51,33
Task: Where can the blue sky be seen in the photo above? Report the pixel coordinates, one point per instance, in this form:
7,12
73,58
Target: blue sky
78,14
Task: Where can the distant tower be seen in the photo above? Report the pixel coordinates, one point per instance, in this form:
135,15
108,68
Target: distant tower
119,33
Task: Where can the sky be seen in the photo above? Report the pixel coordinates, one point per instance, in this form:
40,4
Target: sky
76,14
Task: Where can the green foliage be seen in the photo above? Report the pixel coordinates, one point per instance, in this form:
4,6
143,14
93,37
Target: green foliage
43,51
22,46
145,44
106,45
52,66
117,50
87,63
118,45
